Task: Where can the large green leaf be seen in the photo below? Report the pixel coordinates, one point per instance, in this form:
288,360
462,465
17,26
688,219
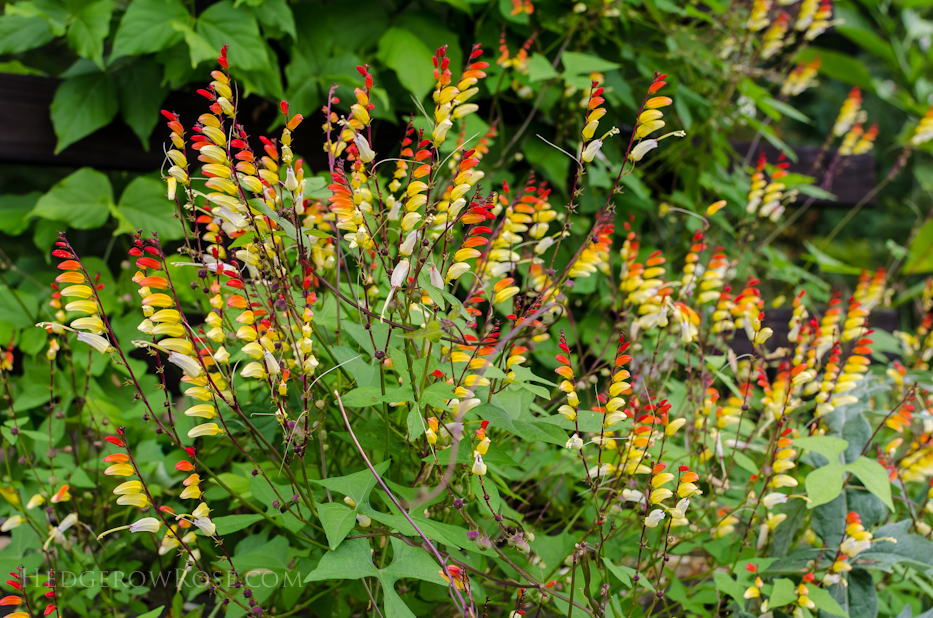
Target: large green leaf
874,477
904,547
338,520
540,68
784,592
859,598
89,28
147,28
81,201
234,523
19,33
824,601
19,308
82,105
141,96
583,64
353,560
144,206
828,446
725,583
921,251
824,484
14,212
223,24
410,58
357,485
276,15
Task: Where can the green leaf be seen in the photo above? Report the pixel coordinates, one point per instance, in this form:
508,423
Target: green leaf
223,24
153,614
829,521
357,485
144,206
814,191
141,96
19,33
734,589
830,264
622,573
435,394
921,251
81,200
874,477
787,110
860,595
583,64
827,446
276,14
199,50
539,68
89,28
824,484
745,462
234,523
410,58
338,520
302,75
362,397
82,105
353,560
784,592
824,601
14,212
146,27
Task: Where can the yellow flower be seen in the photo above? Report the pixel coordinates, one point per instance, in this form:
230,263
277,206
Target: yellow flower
207,429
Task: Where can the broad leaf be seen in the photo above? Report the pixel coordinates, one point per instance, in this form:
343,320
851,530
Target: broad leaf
144,206
784,592
222,24
14,212
338,520
874,477
353,560
234,523
827,446
921,251
357,485
147,28
540,68
88,30
141,97
82,105
825,601
824,484
410,58
583,64
19,33
81,201
277,15
726,584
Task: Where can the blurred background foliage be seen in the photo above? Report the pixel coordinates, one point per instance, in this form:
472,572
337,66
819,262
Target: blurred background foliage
119,62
